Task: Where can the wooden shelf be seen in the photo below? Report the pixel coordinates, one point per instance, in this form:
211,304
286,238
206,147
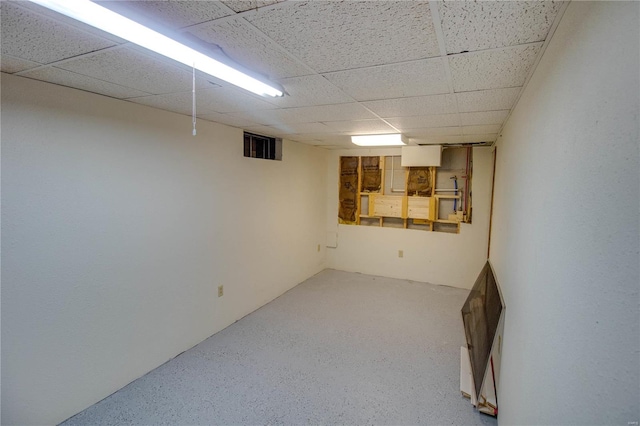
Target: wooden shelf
455,222
399,206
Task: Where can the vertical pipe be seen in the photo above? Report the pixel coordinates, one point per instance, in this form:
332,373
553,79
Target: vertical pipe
392,172
455,200
493,184
466,182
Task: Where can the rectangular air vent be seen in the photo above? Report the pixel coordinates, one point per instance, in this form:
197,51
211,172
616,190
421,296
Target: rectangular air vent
265,147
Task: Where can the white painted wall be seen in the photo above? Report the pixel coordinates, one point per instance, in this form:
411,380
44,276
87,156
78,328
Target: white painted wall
436,257
565,241
117,228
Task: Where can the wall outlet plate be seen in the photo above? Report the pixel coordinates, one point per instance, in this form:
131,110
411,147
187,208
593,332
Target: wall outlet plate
400,253
220,290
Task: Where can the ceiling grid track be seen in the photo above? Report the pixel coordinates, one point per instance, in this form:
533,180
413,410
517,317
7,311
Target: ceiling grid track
312,71
73,58
437,25
236,15
546,42
346,69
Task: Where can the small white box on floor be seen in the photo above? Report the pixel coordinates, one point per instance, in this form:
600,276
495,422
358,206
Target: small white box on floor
466,379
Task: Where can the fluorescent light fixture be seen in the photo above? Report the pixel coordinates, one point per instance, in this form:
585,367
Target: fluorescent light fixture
379,140
125,28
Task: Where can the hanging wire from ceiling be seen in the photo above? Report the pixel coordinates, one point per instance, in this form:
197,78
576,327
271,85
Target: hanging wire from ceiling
194,100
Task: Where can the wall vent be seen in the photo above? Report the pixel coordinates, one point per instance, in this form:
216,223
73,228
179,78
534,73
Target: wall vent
265,147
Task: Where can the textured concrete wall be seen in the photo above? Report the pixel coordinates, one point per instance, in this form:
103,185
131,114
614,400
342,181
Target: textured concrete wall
117,228
565,240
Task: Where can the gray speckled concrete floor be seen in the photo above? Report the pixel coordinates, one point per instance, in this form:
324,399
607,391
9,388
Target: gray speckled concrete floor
340,348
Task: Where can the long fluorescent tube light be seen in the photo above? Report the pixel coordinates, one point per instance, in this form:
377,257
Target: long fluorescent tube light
125,28
379,140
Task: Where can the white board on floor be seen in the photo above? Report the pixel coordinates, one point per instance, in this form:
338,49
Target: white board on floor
466,378
487,402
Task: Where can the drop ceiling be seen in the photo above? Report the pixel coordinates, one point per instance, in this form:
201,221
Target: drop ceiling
438,72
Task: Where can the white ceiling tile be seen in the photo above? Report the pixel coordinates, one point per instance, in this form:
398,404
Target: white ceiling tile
485,117
305,141
435,131
226,119
263,117
82,82
487,100
170,14
421,105
338,112
33,37
334,36
65,20
12,65
203,80
243,5
313,128
436,139
244,45
423,121
182,102
308,136
323,113
381,53
130,68
264,130
361,127
230,99
342,141
480,138
493,69
216,100
470,26
304,138
481,130
309,90
415,78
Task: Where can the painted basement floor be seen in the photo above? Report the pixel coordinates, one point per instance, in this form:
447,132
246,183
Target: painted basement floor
340,348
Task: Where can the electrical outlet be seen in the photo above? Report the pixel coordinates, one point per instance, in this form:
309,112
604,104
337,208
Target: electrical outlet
400,253
318,248
220,290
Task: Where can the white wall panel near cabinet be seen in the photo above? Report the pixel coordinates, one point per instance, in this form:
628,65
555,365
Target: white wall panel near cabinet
421,156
